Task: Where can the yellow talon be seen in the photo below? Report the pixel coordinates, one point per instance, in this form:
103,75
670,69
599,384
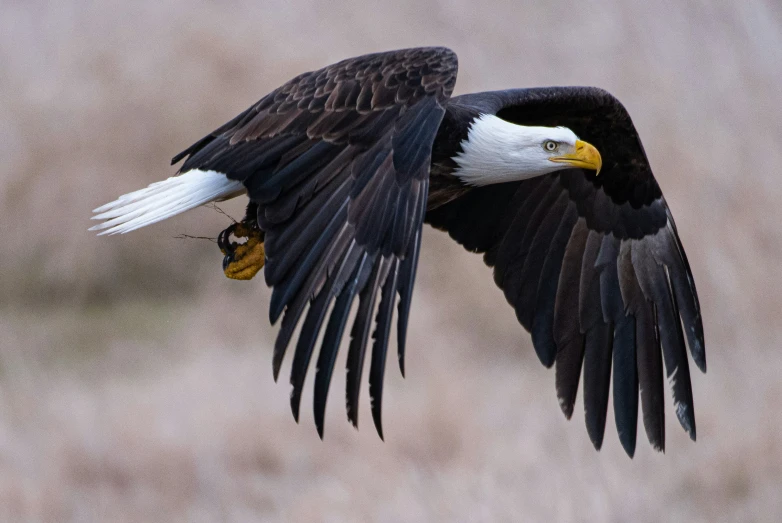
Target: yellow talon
243,261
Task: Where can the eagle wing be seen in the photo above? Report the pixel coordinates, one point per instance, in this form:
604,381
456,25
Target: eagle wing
338,162
592,265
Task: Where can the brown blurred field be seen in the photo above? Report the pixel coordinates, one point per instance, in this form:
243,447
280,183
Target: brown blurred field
135,380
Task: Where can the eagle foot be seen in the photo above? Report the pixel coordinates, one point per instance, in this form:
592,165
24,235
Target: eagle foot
242,261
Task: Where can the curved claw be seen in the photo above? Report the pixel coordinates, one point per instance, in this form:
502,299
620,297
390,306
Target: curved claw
227,260
224,239
242,261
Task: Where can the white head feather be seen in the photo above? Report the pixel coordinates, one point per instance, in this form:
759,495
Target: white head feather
498,151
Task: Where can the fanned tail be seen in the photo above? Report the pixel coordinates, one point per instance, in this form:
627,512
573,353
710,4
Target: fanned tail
163,200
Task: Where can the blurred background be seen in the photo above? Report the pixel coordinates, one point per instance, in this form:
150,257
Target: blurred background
135,379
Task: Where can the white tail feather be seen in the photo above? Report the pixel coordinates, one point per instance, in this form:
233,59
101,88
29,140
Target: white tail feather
164,199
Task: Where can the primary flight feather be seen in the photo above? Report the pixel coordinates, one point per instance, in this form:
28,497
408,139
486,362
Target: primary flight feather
343,166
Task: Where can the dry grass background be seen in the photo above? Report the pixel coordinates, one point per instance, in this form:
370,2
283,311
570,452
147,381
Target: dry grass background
135,380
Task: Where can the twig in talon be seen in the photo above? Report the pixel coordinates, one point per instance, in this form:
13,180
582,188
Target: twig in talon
218,209
188,237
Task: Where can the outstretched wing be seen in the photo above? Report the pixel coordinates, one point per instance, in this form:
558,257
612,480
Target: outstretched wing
338,162
592,265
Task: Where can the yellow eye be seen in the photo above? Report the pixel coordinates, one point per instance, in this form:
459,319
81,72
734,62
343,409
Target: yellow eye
550,145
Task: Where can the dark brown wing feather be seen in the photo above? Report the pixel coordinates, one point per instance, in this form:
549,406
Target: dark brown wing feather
338,161
593,266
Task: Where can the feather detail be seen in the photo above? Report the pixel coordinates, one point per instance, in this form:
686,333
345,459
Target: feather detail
164,199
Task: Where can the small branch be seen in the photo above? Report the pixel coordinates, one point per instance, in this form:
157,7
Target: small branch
188,237
214,206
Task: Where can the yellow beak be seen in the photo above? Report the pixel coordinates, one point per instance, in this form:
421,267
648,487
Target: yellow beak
585,157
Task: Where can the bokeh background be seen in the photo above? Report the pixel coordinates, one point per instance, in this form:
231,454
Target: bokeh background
135,380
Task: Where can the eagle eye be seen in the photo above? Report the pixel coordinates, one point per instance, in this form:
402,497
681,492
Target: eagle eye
550,145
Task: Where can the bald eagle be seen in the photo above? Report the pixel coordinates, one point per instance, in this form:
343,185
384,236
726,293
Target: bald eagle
345,164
